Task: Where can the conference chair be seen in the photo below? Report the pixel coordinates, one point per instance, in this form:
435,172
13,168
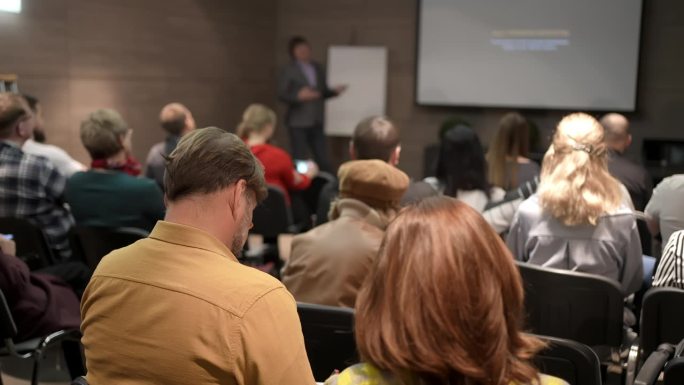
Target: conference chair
581,307
571,361
79,381
328,337
272,217
90,244
32,244
35,348
662,318
666,359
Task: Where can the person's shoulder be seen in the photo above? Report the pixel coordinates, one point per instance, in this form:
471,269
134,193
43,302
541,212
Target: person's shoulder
363,374
156,154
672,182
530,207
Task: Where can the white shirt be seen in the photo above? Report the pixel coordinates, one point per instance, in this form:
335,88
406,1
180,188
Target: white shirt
65,164
667,206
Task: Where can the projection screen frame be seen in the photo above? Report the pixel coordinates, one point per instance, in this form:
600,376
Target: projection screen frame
635,107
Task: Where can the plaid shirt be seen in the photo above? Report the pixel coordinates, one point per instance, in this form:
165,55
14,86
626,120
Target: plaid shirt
32,188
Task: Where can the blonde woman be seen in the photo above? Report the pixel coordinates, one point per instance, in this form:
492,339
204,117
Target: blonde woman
579,219
256,129
507,158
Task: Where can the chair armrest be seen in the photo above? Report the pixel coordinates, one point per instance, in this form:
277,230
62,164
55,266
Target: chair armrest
654,365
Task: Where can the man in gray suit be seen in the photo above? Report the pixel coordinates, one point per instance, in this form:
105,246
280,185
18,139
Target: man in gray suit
303,87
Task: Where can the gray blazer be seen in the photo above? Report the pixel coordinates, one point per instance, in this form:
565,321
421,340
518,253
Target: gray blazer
302,114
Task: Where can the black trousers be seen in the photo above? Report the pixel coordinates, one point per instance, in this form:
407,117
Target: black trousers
311,138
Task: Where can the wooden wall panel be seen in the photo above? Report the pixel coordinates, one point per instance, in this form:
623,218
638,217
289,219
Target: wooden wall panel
135,56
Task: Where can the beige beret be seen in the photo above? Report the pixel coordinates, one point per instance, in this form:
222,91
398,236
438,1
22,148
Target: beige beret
374,182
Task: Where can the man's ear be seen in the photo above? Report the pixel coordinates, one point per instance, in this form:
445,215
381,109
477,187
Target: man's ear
396,154
238,194
629,141
352,150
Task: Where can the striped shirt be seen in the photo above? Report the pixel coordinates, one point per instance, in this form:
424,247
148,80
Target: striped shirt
671,268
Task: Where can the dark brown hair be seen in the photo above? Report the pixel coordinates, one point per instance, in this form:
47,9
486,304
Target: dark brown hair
209,159
512,140
444,301
375,137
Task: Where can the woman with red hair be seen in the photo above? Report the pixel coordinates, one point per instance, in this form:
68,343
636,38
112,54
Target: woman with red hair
443,304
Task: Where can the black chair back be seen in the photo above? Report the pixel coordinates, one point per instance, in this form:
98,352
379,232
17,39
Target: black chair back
272,217
581,307
93,243
674,371
32,245
571,361
79,381
662,318
329,338
8,329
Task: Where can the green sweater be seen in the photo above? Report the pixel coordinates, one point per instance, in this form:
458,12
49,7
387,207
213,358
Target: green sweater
114,199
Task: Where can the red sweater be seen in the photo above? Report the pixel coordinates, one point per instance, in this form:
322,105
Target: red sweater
279,169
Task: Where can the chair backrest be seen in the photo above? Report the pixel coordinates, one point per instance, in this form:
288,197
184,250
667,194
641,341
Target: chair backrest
674,371
571,361
8,329
93,243
312,194
581,307
272,217
662,318
329,338
32,244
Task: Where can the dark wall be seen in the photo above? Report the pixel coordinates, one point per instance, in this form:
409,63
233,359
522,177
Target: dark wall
392,23
217,56
135,56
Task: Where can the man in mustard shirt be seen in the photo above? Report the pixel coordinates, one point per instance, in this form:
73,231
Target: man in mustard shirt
177,307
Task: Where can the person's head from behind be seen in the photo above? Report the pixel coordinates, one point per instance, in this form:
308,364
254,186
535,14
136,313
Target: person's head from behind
375,183
17,122
616,127
444,301
461,163
106,136
37,110
176,119
510,142
213,181
576,187
299,49
376,137
257,121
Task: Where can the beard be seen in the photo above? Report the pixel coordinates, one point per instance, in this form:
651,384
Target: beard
241,234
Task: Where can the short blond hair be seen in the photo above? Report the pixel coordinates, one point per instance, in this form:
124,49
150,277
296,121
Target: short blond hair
576,187
102,133
255,119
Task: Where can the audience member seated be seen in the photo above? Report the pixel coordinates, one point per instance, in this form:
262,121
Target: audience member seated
461,169
37,146
31,187
665,210
375,137
40,303
443,304
633,176
509,166
670,270
579,218
328,264
177,307
106,195
256,129
177,121
500,214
